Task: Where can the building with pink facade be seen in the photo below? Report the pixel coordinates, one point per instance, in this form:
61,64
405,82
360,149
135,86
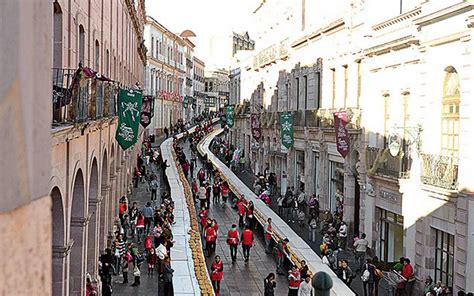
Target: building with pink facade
62,170
90,172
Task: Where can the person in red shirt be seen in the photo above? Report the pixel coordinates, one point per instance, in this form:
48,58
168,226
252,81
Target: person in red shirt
247,239
203,214
233,241
148,242
151,260
225,191
210,235
295,280
216,274
242,208
409,275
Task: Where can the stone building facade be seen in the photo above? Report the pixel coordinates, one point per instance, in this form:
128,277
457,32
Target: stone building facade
89,171
401,72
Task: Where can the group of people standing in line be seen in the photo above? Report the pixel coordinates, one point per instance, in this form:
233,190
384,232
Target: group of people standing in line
298,278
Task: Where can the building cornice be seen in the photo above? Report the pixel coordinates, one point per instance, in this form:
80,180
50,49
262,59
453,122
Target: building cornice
331,28
398,19
396,44
443,14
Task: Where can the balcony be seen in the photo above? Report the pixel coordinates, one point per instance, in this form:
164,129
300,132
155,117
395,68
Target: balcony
439,171
381,162
326,116
77,98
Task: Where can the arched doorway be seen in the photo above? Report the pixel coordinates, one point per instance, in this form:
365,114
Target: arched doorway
59,254
78,256
92,239
103,204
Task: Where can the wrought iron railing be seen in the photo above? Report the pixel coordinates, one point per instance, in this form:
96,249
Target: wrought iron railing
380,161
77,98
440,171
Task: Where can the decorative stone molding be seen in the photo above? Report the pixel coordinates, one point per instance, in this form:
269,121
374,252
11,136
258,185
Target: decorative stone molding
80,221
62,251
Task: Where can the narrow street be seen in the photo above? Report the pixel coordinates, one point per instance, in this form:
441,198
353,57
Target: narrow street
240,278
149,284
384,290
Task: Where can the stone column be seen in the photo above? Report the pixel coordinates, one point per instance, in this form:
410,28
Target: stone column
61,269
78,260
94,235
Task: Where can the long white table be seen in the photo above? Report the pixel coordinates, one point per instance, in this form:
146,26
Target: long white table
184,278
298,246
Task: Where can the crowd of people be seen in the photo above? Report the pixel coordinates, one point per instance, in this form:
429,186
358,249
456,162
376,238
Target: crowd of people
208,187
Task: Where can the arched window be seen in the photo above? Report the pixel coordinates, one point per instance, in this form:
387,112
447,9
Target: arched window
82,44
57,36
450,113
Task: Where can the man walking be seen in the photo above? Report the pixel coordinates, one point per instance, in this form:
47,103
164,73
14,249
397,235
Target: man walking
148,214
360,248
247,239
154,185
233,241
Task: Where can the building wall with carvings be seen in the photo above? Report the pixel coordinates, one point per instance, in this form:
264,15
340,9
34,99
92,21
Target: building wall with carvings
402,76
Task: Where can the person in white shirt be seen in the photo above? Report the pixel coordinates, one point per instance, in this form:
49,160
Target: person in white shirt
306,288
342,234
360,248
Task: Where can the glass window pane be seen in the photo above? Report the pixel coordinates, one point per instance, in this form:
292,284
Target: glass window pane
438,259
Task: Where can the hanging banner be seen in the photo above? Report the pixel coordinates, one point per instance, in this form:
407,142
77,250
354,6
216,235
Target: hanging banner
130,105
256,126
185,102
286,130
229,115
147,111
342,135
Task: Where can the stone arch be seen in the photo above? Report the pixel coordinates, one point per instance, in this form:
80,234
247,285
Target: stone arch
59,251
78,236
92,227
103,205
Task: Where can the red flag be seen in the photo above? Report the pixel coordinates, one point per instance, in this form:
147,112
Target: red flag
256,127
342,135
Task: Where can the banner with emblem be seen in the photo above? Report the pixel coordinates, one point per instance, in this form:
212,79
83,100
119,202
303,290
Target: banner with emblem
287,130
130,106
342,135
229,115
256,126
147,111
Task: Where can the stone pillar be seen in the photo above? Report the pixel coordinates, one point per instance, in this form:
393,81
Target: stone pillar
78,260
94,235
60,277
349,194
111,207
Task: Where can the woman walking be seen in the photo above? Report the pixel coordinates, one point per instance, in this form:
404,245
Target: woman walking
216,274
269,285
210,235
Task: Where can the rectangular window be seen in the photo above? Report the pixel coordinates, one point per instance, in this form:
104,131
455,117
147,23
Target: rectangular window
336,185
386,118
444,257
345,86
318,90
333,87
297,93
305,79
152,47
359,81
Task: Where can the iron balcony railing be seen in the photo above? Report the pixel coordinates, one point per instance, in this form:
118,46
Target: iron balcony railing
440,171
77,98
380,161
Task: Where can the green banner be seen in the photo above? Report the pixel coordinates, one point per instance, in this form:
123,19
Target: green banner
185,102
286,125
229,115
130,106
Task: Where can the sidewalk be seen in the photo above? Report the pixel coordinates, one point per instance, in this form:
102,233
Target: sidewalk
248,178
149,285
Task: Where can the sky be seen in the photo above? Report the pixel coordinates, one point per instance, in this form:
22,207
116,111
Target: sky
206,18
